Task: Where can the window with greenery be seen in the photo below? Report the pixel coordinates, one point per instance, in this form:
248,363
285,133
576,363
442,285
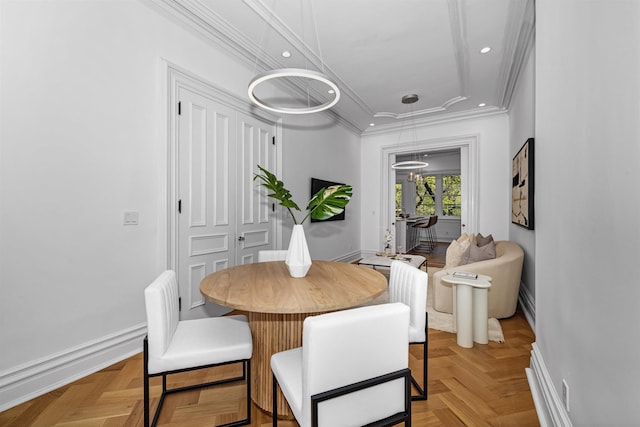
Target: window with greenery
398,199
426,196
451,195
437,195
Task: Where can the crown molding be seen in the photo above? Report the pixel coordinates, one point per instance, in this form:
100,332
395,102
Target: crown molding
198,18
439,119
418,113
458,18
519,39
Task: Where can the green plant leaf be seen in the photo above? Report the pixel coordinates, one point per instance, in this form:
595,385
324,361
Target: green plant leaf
329,201
278,191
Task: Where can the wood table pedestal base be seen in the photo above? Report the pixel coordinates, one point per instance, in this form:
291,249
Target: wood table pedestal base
272,333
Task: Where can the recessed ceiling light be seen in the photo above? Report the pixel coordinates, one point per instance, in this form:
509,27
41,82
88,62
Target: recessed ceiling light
331,91
486,49
372,124
482,104
286,54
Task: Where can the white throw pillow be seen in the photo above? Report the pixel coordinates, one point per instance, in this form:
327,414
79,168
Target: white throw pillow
466,236
456,251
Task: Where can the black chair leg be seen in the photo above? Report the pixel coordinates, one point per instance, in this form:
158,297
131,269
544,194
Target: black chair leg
146,381
147,412
246,375
274,392
422,391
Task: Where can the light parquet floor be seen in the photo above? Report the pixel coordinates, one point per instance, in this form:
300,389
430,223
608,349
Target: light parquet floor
482,386
435,258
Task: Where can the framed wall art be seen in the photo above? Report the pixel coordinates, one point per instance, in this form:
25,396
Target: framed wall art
522,186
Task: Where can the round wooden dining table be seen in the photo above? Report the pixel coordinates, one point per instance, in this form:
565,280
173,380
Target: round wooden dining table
277,304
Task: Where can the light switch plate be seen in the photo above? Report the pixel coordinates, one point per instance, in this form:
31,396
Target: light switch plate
130,218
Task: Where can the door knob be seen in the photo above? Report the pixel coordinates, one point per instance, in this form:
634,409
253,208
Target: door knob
241,238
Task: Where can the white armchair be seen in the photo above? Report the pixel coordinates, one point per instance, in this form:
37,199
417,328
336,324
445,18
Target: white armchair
352,369
505,271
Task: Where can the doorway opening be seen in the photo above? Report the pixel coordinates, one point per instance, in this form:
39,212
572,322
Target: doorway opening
461,155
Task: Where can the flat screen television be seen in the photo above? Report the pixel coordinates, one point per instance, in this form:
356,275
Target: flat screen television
317,185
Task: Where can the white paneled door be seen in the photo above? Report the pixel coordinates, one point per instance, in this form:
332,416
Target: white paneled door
224,218
255,211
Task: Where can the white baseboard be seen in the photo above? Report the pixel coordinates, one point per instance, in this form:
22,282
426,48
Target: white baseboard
35,378
350,257
367,253
528,304
551,411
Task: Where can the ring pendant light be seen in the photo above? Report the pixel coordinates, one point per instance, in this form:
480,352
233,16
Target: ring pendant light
286,73
409,164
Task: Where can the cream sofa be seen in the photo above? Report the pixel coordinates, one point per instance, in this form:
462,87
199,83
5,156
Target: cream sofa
505,270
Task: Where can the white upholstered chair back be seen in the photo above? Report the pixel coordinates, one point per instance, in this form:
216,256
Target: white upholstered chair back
173,346
272,255
349,346
408,285
161,299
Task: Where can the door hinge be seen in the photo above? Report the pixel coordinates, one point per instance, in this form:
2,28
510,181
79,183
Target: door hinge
273,140
273,207
179,303
180,108
180,206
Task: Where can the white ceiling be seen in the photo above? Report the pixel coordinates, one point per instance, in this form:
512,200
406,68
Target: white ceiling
379,50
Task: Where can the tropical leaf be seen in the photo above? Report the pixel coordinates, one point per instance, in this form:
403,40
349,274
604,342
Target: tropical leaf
278,191
329,201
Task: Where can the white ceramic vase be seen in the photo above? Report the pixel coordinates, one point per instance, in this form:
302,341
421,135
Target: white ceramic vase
298,259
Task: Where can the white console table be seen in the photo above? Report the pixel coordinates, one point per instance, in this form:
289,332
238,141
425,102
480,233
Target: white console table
383,261
470,308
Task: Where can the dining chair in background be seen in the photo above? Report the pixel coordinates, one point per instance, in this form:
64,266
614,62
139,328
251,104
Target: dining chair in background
272,255
408,285
352,369
172,346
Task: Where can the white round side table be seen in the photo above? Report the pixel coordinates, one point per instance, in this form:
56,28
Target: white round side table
470,308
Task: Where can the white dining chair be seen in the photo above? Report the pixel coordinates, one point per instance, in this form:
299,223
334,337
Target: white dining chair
352,369
408,285
272,255
172,346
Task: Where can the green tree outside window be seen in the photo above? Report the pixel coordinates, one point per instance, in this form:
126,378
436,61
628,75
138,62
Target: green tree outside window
437,195
398,199
451,195
426,196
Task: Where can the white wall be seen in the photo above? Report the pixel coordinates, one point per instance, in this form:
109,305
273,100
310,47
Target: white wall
82,139
315,147
494,174
522,127
588,198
